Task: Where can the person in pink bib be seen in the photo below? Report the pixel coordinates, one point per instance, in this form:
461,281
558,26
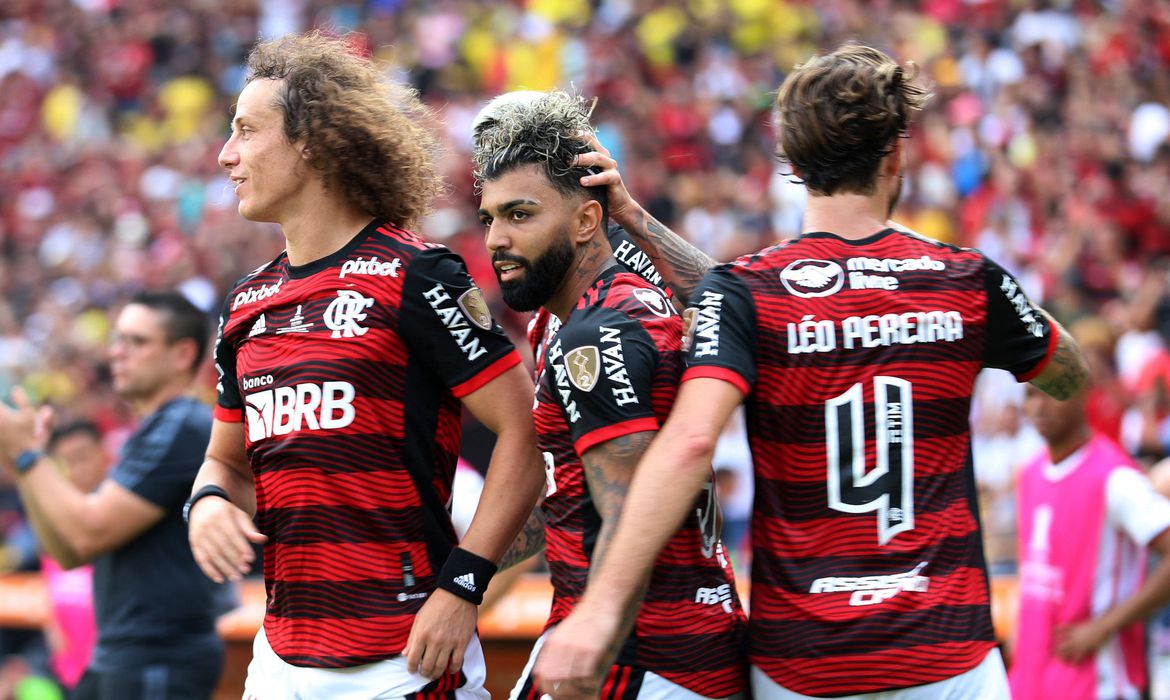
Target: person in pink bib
1087,518
71,628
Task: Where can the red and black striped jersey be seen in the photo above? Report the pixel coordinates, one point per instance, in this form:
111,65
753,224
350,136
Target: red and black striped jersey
857,360
612,370
347,374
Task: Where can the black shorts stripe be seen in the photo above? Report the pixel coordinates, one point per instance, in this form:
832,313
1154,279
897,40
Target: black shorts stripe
442,688
623,683
528,689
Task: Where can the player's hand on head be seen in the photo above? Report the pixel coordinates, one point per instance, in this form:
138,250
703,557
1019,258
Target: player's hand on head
221,537
618,197
440,635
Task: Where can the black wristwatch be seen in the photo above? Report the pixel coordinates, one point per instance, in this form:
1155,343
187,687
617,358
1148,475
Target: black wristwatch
208,490
27,459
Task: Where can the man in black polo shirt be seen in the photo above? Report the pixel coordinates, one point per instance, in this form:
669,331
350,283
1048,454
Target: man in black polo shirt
155,610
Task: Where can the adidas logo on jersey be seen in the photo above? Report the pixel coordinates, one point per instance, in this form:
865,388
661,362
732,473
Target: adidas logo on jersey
466,581
258,327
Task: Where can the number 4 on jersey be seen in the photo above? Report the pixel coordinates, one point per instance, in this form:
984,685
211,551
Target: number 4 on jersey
888,488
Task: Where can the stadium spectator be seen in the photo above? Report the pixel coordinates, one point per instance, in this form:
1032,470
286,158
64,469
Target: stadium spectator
71,630
1088,518
343,363
155,612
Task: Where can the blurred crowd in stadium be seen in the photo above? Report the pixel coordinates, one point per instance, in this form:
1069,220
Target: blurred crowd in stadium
1047,146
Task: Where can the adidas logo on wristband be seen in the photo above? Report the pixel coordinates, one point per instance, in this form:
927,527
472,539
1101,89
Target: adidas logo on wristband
465,575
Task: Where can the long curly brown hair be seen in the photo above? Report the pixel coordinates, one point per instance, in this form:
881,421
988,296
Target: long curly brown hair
364,133
839,113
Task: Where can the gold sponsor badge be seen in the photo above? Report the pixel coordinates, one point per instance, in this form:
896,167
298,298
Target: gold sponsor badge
475,308
584,365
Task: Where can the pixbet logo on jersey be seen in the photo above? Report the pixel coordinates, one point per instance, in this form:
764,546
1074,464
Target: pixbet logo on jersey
252,295
287,409
373,266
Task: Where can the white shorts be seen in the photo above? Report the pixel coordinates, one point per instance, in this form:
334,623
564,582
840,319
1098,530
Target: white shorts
624,683
987,681
272,678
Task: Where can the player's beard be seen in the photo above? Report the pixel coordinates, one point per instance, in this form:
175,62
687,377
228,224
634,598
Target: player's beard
543,276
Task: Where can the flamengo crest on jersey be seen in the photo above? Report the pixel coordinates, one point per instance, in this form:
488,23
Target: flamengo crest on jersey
344,314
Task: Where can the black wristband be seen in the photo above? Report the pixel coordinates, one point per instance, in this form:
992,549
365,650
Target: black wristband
466,575
208,490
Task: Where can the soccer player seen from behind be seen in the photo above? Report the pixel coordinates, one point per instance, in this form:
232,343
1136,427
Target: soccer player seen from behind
855,348
343,366
605,381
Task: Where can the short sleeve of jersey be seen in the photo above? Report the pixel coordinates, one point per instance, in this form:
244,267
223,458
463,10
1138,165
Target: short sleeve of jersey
1135,506
1020,338
160,461
603,366
445,320
229,406
720,328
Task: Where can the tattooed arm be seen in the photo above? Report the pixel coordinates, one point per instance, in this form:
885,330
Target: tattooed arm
681,264
609,468
1067,372
669,477
528,543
